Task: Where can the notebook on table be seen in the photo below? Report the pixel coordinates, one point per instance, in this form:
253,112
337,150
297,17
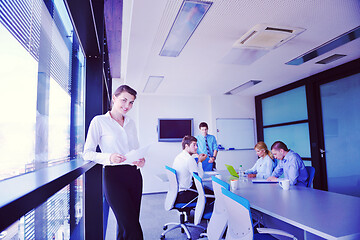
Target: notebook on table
263,181
232,171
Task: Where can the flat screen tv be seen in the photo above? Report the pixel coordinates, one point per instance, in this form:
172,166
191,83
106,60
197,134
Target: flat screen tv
173,130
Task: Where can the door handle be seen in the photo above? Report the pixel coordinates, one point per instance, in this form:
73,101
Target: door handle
322,151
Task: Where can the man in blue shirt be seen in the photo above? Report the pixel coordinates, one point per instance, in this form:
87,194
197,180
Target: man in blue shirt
290,164
207,145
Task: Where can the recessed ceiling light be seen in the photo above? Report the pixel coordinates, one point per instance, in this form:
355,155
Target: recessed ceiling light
326,47
331,59
243,87
152,84
188,18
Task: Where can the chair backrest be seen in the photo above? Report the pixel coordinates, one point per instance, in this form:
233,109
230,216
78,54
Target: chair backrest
201,200
173,188
311,172
239,216
218,220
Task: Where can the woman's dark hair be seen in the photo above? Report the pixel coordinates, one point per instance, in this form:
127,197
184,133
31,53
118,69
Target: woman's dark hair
279,145
125,88
187,140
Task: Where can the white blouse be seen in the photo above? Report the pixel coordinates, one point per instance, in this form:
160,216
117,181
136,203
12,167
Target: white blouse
263,166
111,138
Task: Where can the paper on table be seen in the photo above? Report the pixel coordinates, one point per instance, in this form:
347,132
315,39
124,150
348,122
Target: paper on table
263,181
135,155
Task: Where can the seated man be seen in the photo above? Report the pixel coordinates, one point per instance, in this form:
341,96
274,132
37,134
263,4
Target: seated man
290,164
185,164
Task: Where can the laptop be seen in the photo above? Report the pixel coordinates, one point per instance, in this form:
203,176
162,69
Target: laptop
232,171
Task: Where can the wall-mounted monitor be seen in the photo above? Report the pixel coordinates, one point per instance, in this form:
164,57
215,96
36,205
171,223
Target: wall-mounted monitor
173,130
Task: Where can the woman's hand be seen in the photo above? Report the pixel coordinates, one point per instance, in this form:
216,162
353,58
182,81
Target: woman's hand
117,158
140,162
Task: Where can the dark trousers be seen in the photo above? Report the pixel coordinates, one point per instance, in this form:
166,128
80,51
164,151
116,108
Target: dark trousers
187,195
123,191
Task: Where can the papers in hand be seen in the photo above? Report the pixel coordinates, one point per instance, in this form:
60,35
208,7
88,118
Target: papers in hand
135,155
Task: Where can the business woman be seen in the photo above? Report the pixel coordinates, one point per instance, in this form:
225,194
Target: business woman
115,133
265,164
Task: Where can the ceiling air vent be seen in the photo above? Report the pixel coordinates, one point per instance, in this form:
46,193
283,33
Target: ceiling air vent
263,36
331,59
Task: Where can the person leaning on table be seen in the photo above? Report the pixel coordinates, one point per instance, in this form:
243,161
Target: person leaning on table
264,165
290,164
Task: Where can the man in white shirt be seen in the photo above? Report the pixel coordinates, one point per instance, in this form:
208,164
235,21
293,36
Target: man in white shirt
185,164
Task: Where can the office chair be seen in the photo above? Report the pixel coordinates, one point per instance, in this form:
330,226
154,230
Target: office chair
183,208
203,209
218,220
239,220
311,172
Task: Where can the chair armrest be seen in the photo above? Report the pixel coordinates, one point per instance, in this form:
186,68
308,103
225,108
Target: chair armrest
189,203
209,196
276,232
190,189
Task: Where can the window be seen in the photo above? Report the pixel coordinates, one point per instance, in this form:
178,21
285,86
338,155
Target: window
38,127
285,119
42,101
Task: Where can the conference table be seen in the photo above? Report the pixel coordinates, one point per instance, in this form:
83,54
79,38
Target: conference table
310,213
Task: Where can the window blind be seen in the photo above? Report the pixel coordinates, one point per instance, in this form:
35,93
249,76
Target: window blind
25,20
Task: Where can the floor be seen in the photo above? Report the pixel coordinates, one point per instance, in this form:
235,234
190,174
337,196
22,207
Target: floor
152,218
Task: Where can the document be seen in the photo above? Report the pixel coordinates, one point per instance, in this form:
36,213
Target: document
135,155
262,181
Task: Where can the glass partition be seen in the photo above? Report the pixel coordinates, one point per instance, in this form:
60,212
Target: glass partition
285,107
285,119
295,136
341,118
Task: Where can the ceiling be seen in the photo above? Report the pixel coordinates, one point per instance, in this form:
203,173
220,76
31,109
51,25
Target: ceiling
208,64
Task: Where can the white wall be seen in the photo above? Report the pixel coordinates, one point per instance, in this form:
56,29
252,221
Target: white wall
148,109
234,107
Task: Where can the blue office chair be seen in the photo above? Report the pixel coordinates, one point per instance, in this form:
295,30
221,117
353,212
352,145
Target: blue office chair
183,208
240,221
218,220
203,209
311,172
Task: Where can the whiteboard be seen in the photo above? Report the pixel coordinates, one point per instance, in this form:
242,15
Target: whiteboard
235,133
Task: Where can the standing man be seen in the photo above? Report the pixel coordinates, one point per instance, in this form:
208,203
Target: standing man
207,144
290,164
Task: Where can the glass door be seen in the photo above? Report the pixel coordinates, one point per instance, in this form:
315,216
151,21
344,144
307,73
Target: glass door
340,104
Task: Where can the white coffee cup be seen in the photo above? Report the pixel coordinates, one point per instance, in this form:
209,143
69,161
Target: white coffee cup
234,184
285,184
